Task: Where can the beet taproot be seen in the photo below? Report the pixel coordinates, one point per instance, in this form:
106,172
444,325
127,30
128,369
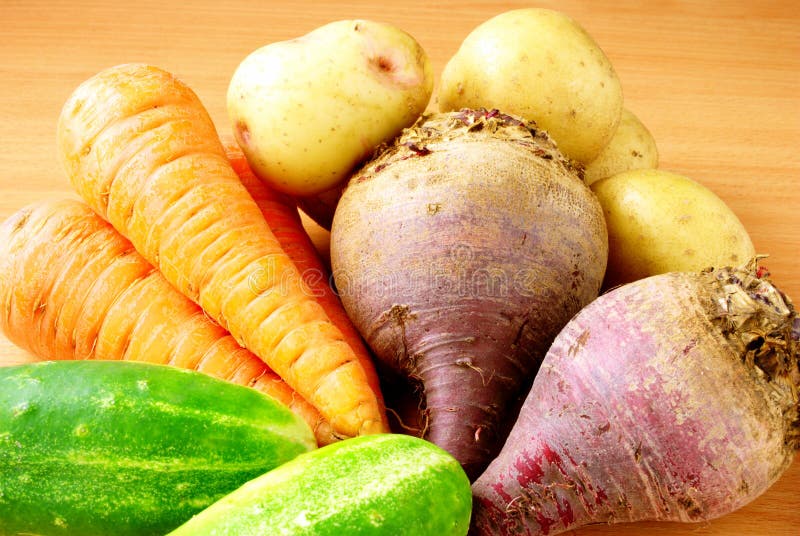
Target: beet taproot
671,398
459,252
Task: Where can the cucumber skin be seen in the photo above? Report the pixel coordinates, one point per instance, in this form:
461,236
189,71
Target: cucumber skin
129,448
378,485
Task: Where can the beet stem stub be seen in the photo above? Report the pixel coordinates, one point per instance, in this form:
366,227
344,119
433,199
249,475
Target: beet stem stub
760,323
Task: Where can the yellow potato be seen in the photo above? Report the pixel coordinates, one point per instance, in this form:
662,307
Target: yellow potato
541,65
306,111
659,221
632,147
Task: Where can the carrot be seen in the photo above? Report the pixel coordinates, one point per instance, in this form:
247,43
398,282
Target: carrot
141,149
280,213
74,288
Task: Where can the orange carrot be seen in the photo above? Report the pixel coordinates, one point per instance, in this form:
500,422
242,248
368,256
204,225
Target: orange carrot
74,288
141,149
281,214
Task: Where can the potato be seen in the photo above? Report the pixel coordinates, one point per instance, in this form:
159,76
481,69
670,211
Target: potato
659,221
307,111
631,147
541,65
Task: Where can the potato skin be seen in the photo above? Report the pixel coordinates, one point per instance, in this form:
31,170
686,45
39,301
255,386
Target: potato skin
541,65
306,111
659,221
632,147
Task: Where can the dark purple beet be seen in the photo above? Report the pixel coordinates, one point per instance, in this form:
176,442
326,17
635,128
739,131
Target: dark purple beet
459,254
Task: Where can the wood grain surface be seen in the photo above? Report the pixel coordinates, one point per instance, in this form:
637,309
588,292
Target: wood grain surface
717,83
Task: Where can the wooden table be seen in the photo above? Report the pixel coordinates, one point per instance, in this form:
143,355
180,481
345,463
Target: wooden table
717,83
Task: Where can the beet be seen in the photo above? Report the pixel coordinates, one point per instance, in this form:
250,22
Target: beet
459,253
672,398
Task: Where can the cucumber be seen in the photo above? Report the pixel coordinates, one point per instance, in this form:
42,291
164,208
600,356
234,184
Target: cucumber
386,484
129,448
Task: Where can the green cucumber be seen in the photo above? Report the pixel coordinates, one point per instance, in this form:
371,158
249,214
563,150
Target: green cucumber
386,484
125,448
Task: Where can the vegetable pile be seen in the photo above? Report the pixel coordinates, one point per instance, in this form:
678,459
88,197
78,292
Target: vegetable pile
458,369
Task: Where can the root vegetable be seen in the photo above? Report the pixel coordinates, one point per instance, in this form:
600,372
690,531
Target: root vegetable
306,111
541,65
659,221
459,253
71,287
631,147
285,223
141,149
673,398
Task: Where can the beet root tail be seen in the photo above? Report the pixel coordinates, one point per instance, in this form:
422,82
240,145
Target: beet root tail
468,410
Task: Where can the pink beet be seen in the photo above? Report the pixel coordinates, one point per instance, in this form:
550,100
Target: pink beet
672,398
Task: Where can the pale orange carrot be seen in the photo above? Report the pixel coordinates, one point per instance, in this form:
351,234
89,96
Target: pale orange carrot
141,149
281,214
71,287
